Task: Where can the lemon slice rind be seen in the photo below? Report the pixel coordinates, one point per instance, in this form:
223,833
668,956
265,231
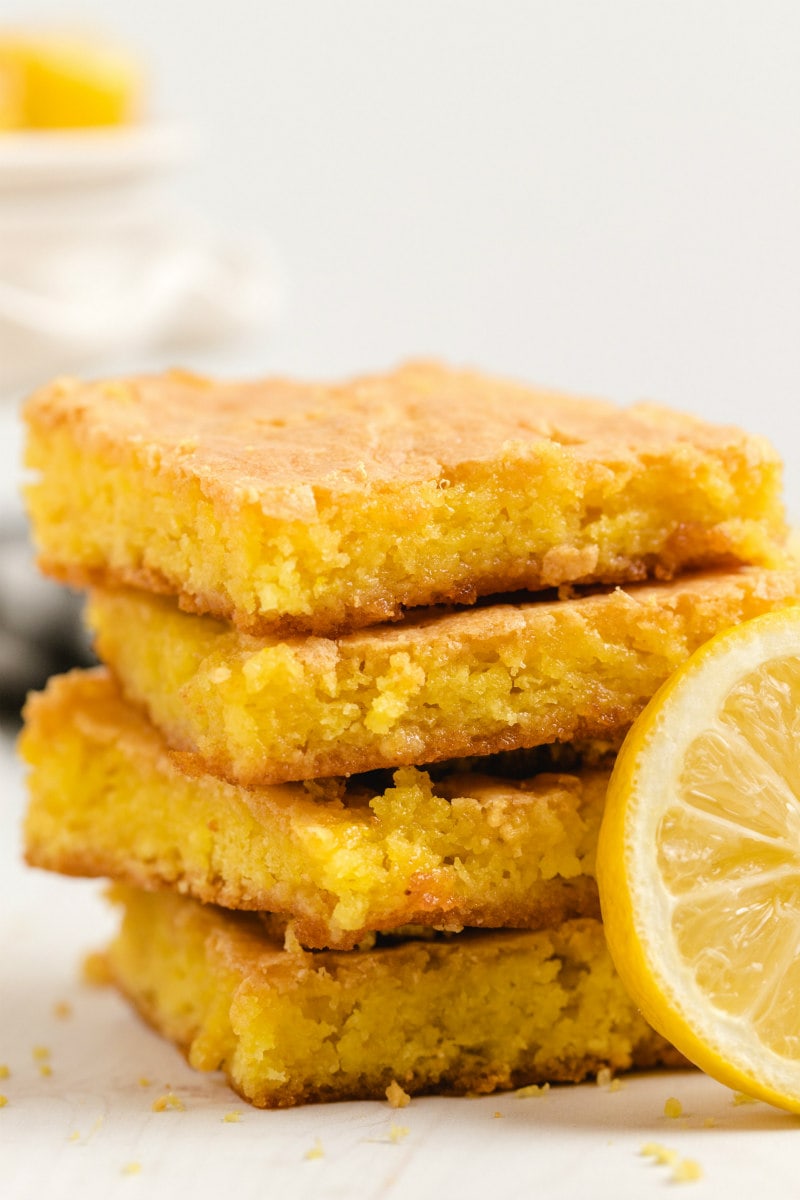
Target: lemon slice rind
638,908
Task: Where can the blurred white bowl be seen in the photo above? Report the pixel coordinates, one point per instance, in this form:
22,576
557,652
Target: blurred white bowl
90,156
97,261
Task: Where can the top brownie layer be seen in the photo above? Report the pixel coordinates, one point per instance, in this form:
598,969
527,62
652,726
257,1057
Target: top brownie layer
311,508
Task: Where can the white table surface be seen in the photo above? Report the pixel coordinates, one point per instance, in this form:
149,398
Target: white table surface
74,1132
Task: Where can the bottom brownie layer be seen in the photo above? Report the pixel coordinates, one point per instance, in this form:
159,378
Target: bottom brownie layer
467,1013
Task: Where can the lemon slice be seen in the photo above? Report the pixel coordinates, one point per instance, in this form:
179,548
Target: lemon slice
699,859
55,81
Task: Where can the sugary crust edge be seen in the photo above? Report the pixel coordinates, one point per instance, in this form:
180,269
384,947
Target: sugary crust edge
743,592
689,548
608,724
562,899
652,1051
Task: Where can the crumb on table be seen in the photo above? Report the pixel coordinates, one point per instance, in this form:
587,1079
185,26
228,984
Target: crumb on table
660,1153
95,970
687,1171
534,1089
397,1097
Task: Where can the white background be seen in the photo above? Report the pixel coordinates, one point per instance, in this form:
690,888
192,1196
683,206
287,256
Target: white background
599,196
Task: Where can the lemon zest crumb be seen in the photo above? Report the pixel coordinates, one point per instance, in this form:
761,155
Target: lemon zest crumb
291,942
3,1101
533,1089
41,1053
661,1154
688,1170
144,1081
4,1071
168,1100
497,1114
131,1168
45,1070
397,1097
607,1079
232,1117
398,1132
95,969
316,1151
673,1108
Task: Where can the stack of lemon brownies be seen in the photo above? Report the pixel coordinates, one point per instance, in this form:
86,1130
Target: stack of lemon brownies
369,650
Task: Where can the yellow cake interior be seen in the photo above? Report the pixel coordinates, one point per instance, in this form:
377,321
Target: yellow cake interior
264,710
328,881
120,497
471,1013
339,860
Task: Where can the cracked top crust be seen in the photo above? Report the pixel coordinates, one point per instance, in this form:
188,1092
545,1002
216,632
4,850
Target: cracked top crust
276,442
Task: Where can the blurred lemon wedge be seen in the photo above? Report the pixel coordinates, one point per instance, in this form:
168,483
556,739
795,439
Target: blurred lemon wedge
66,81
699,859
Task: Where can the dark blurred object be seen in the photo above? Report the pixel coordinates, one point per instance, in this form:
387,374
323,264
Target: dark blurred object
41,628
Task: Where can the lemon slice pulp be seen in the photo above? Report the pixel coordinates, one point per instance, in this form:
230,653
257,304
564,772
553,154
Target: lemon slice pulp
699,859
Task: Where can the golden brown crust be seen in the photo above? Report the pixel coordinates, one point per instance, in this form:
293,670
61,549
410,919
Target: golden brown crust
652,1052
697,550
274,442
546,655
612,723
545,1007
561,899
467,849
373,455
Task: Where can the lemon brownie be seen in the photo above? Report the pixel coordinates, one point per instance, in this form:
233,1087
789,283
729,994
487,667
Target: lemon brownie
339,859
471,1013
320,508
470,682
